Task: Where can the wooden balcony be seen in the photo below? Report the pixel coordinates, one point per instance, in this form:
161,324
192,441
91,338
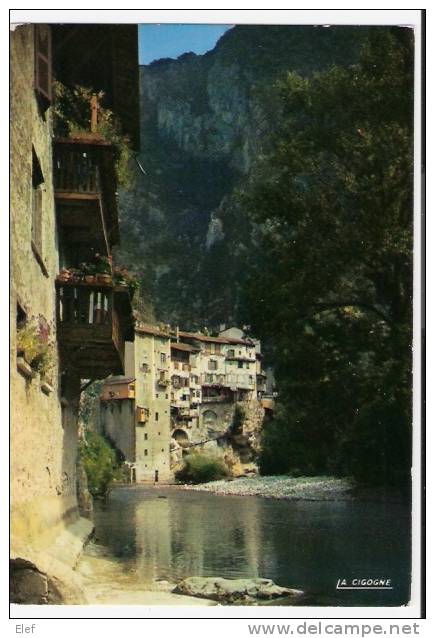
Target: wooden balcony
93,323
85,192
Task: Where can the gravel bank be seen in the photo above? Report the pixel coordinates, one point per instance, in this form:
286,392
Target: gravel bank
317,488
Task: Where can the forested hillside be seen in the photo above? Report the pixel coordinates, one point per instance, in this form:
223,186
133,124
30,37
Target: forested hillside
277,192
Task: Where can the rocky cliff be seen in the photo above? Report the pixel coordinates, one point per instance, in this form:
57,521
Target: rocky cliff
204,121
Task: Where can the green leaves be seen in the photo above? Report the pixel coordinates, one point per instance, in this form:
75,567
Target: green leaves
333,284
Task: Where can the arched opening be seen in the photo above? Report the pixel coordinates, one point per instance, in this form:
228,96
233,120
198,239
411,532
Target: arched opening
180,436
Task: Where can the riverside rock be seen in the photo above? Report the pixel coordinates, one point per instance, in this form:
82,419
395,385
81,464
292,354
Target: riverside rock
232,591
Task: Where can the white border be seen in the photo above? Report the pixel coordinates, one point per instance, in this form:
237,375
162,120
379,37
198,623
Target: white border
407,17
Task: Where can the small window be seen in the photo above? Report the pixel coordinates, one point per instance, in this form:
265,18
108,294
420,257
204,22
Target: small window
157,416
21,316
145,436
157,396
37,192
145,452
43,73
240,364
212,365
162,357
231,353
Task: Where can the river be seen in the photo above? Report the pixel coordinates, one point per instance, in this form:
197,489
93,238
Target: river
169,534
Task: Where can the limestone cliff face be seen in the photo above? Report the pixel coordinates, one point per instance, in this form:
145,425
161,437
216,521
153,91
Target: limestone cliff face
204,121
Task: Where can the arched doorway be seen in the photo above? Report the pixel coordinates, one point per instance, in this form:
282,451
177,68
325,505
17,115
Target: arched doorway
181,437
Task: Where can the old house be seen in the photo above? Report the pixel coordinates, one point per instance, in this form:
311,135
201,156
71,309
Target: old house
65,328
135,410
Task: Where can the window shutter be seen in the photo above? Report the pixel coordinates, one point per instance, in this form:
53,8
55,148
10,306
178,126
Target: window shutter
43,79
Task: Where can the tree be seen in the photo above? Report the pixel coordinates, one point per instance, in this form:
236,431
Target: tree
332,203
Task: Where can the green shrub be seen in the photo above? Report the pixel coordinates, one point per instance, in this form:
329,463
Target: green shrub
201,468
99,461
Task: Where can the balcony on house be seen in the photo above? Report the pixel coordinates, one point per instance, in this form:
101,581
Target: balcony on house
142,414
118,389
163,379
85,192
93,323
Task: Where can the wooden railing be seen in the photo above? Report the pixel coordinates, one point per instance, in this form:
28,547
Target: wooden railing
84,304
86,316
76,169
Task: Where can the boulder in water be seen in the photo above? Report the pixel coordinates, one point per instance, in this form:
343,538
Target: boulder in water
232,591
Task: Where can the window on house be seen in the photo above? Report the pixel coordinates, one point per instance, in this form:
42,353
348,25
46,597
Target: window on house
240,364
21,316
37,191
212,365
157,416
43,74
212,347
231,353
162,357
145,452
145,436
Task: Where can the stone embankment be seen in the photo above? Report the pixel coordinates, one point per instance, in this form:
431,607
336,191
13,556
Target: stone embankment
318,488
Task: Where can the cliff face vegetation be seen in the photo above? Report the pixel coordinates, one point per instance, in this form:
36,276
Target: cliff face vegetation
205,120
277,192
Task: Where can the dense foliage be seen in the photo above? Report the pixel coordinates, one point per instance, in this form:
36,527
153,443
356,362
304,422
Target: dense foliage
100,463
332,279
201,468
72,115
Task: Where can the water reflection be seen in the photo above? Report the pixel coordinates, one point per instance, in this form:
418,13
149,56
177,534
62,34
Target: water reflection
171,534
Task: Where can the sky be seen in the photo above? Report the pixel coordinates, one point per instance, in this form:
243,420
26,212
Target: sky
171,40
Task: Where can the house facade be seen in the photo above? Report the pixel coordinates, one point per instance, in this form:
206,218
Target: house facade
64,330
187,387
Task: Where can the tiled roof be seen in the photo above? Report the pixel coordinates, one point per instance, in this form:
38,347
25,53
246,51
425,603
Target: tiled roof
118,381
152,330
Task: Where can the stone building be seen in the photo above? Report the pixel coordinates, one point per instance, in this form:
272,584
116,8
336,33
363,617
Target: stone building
135,410
200,381
63,211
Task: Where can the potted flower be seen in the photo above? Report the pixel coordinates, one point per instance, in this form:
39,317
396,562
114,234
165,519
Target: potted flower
133,285
103,268
34,352
119,276
64,275
75,275
27,348
89,272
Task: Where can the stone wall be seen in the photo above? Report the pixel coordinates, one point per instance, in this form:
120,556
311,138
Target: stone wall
152,437
118,425
43,430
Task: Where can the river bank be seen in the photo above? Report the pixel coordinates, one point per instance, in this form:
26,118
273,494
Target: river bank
306,488
319,488
106,581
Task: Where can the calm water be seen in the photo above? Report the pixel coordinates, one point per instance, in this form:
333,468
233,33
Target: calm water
170,534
